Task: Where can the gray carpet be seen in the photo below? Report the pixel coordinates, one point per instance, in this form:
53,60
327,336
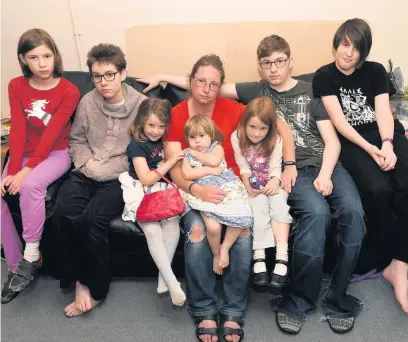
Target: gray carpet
133,312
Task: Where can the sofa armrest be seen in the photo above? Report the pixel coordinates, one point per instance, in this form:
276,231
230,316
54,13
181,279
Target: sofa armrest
125,227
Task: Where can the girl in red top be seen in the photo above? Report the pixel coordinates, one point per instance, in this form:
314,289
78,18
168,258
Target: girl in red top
41,105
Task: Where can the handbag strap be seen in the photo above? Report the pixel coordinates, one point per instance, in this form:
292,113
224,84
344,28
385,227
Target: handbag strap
165,178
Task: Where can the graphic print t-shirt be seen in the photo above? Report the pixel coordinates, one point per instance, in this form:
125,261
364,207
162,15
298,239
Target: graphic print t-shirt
151,150
356,92
300,110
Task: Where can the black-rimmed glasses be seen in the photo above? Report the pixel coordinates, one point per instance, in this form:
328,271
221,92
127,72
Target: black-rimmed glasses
279,63
109,76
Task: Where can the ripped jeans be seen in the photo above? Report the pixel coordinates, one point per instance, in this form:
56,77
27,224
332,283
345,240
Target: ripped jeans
201,279
315,215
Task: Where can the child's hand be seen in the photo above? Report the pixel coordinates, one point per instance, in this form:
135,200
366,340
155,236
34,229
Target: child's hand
323,185
6,183
173,160
216,171
272,187
253,192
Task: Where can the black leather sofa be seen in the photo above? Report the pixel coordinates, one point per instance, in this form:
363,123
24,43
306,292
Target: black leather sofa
129,253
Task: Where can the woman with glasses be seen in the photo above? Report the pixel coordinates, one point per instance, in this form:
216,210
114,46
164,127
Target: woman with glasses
92,195
204,82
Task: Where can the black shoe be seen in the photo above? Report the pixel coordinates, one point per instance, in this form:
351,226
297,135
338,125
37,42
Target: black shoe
288,324
341,325
7,294
278,281
25,275
259,279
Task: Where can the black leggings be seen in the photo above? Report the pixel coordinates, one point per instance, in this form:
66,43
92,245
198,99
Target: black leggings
384,196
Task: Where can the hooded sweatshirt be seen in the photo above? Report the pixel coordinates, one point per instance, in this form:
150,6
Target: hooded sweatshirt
99,135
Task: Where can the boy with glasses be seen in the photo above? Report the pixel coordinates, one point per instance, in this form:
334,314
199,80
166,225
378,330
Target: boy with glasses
92,195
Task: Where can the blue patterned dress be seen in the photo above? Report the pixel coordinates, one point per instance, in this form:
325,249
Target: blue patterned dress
235,209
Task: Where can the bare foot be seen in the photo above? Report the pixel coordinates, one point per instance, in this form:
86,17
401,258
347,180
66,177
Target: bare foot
233,325
208,324
83,299
216,264
396,275
72,311
224,258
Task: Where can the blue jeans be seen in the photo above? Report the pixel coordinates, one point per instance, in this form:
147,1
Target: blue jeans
201,279
315,215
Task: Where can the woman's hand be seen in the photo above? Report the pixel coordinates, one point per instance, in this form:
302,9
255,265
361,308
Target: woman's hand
6,182
390,159
208,193
272,187
18,180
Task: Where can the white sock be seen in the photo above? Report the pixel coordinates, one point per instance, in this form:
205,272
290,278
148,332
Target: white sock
171,236
259,267
32,251
154,236
281,254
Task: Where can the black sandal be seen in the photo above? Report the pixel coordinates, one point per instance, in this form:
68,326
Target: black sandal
259,279
277,281
224,331
206,331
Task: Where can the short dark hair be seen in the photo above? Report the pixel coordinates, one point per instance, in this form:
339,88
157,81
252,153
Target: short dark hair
32,39
159,107
271,44
209,60
106,53
359,33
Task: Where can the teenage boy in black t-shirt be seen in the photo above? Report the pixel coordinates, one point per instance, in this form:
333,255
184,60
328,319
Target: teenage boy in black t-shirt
356,93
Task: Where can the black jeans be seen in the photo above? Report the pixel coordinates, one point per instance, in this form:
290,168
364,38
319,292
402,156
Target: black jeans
83,213
383,194
315,215
201,279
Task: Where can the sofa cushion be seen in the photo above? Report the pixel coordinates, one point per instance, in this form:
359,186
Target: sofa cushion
175,94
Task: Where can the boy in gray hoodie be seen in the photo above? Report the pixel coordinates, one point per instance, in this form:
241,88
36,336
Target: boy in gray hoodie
92,195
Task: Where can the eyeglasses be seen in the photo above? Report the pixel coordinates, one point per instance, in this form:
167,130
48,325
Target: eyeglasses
279,63
109,76
202,83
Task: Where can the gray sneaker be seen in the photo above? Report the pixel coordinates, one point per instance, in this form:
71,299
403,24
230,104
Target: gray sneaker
25,275
8,294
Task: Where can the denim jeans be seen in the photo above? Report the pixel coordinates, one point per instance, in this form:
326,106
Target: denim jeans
315,215
201,279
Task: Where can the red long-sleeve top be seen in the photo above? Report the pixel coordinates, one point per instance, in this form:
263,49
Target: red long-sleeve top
40,120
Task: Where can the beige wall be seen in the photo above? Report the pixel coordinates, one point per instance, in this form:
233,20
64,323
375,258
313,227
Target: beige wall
106,21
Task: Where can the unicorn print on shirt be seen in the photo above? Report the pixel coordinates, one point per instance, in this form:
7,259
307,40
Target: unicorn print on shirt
38,111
